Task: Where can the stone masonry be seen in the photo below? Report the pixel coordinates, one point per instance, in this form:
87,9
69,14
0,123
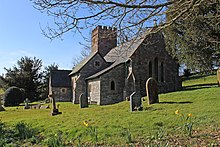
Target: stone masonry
112,73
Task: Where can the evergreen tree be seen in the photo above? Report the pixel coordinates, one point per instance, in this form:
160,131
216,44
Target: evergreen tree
46,75
194,38
26,75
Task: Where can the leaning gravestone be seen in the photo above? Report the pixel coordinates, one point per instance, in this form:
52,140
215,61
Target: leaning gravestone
152,91
218,76
83,101
54,110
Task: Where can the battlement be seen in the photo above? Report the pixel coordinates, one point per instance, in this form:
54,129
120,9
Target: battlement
104,39
104,28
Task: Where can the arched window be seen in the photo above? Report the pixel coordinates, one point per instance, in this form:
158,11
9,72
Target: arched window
161,72
112,85
150,69
156,68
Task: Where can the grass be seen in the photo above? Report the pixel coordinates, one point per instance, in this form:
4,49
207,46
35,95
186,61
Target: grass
115,123
1,91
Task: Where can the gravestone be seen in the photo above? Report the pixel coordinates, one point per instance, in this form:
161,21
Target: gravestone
54,110
26,105
83,101
152,91
2,108
218,77
132,102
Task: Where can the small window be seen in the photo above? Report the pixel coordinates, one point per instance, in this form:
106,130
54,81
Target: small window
63,90
112,85
97,63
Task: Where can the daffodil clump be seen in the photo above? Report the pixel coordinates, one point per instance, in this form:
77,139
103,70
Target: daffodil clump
187,122
92,132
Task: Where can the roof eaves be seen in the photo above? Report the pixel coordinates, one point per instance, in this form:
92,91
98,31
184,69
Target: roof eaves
104,71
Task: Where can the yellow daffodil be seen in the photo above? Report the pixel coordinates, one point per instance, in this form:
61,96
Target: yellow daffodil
190,114
177,112
86,123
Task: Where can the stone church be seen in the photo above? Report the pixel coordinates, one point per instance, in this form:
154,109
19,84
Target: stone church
112,72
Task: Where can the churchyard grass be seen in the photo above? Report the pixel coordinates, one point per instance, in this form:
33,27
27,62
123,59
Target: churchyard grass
116,125
1,91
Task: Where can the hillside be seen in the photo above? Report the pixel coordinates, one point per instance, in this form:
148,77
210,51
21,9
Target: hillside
116,125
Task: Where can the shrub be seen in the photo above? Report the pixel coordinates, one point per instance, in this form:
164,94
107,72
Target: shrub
13,96
187,72
24,131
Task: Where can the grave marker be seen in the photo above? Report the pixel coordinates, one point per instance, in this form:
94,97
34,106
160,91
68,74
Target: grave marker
152,91
218,77
26,104
54,110
83,101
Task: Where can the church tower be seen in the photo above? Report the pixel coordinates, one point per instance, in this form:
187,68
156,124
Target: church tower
104,39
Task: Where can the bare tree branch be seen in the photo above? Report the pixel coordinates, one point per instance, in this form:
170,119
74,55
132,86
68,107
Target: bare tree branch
133,16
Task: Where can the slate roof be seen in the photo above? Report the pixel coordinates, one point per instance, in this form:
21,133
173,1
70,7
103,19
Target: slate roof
60,78
83,63
120,54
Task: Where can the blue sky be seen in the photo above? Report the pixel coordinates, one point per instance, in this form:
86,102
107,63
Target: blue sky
20,35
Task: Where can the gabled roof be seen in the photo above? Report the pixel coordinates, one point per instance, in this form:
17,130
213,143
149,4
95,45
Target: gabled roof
60,78
124,51
120,54
83,63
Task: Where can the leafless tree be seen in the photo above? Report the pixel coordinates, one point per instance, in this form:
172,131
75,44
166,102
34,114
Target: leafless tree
130,17
83,54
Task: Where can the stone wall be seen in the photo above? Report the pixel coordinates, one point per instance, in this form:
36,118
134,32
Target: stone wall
89,69
149,60
112,94
152,60
62,94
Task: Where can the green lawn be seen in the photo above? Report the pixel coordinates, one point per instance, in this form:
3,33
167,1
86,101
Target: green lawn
114,123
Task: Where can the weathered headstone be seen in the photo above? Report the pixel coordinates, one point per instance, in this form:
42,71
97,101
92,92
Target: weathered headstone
83,101
152,91
2,108
218,76
54,110
26,105
132,102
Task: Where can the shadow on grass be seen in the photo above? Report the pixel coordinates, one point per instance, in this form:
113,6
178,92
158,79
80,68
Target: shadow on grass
186,102
193,77
198,86
197,76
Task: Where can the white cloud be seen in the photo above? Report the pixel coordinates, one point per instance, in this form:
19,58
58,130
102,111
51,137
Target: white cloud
10,58
21,53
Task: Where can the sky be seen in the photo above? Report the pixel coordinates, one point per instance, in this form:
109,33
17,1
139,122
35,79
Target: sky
21,35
